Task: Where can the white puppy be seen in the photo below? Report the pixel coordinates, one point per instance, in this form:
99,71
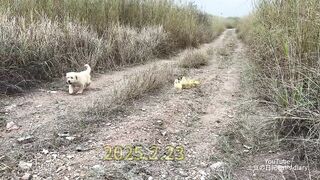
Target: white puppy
79,79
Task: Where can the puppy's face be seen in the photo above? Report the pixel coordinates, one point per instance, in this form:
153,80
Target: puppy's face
71,78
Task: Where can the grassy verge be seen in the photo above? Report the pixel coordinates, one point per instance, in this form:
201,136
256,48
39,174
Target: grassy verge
41,40
283,38
145,81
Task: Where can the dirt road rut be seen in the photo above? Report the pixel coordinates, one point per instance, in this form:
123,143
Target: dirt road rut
192,119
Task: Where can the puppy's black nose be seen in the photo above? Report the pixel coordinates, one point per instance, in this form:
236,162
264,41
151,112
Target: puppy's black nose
69,82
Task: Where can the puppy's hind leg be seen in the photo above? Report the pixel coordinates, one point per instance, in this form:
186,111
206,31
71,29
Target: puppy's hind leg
71,89
88,84
81,89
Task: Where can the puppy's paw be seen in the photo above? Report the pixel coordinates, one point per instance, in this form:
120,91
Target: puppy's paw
71,90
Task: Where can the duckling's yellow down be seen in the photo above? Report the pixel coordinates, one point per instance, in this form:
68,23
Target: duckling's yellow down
185,83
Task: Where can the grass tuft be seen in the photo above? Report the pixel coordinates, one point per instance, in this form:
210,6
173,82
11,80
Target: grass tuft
132,88
194,59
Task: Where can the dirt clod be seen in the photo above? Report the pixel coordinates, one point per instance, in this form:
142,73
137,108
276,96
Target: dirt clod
25,165
26,176
25,139
11,126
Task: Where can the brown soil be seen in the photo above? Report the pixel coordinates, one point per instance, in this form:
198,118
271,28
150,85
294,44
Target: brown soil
191,118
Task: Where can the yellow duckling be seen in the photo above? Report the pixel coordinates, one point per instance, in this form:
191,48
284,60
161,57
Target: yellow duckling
177,84
183,80
185,83
194,82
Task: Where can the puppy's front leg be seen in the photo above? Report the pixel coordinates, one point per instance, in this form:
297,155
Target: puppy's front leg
71,90
81,89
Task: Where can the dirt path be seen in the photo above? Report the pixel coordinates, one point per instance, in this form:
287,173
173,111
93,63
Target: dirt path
191,118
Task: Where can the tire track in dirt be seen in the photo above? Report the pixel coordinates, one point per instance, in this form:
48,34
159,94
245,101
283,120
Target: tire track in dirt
193,118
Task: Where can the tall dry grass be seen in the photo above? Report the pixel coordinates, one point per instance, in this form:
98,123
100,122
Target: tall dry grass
284,38
185,23
41,40
44,50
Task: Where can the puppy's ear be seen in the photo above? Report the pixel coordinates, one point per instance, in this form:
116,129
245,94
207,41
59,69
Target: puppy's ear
76,77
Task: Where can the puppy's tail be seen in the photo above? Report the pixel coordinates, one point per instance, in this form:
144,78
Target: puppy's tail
88,68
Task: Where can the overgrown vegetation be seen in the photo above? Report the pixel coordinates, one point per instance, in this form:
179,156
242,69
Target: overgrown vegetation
284,39
231,22
41,40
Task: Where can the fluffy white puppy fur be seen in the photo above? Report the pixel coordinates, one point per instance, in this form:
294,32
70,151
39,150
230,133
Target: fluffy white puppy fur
79,79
